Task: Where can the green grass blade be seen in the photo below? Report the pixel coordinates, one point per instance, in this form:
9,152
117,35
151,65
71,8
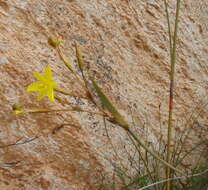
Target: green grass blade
66,61
109,106
121,122
79,58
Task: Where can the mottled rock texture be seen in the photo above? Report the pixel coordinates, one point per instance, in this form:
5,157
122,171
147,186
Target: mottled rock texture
126,44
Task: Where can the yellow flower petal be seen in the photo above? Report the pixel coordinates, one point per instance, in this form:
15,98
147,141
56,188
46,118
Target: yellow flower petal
48,73
35,86
38,76
42,93
45,84
50,95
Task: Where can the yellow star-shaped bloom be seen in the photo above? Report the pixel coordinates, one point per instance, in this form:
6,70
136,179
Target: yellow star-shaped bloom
45,84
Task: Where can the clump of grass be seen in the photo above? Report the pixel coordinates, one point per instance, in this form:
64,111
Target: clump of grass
150,171
105,107
178,153
155,166
172,81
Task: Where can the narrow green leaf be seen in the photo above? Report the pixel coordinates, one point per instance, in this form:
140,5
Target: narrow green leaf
79,58
109,106
121,121
66,61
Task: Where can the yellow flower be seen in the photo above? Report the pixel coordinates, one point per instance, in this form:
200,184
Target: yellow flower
45,84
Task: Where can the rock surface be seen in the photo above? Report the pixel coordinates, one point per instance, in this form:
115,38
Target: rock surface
126,44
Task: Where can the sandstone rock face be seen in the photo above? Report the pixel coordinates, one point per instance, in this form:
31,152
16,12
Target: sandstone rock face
126,44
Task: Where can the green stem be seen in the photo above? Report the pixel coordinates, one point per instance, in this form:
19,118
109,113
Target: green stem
172,74
169,28
69,66
142,144
67,92
76,108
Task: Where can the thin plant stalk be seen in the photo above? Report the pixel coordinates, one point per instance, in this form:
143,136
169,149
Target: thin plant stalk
110,141
152,153
69,66
121,122
75,109
169,28
140,154
186,133
70,93
175,178
172,76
